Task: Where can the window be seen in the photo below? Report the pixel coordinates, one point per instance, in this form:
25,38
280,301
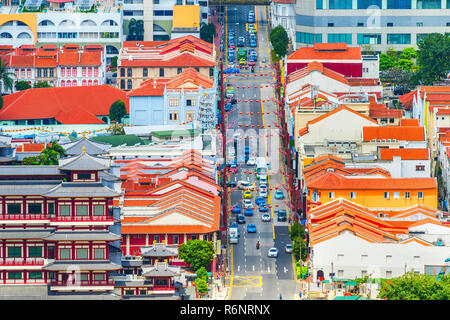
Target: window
388,259
364,4
144,72
390,24
386,195
99,210
51,208
129,292
340,273
81,253
190,115
129,72
65,254
35,252
309,38
14,208
421,36
160,282
211,72
99,276
352,195
364,258
388,274
407,195
360,24
315,196
129,84
84,276
396,195
99,253
35,275
363,273
429,4
330,195
330,24
420,168
369,38
64,210
340,4
419,24
14,252
179,70
84,176
122,84
155,1
156,239
399,4
173,102
81,210
193,237
161,72
340,37
340,257
398,38
142,292
420,195
122,72
14,275
319,4
175,239
34,208
173,116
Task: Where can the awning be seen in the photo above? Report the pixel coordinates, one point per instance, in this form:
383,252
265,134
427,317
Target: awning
326,281
351,283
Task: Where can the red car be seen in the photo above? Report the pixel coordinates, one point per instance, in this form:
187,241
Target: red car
251,63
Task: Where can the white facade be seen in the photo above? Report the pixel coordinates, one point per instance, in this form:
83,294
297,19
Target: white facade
284,14
350,257
71,76
23,74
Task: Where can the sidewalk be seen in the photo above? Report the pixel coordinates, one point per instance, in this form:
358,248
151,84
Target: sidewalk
219,292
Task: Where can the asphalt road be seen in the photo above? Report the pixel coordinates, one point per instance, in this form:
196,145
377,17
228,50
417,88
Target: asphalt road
255,276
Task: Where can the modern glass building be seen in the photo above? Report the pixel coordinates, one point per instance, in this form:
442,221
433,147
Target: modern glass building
380,24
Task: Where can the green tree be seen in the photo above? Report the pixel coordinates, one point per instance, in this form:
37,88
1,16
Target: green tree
279,40
117,111
299,247
433,57
48,156
412,286
202,286
42,84
207,32
408,53
202,274
6,76
22,85
30,161
197,253
114,62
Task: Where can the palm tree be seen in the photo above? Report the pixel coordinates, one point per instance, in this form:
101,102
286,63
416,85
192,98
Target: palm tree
58,149
48,156
5,76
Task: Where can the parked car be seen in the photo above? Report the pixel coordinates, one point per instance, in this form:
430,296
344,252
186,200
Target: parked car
228,107
279,195
248,211
263,207
288,248
272,253
265,217
260,200
240,219
252,43
236,209
251,228
251,62
231,70
241,42
281,215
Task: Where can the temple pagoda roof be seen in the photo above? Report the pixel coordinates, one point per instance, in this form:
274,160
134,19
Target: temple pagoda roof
80,189
92,147
159,250
83,162
160,269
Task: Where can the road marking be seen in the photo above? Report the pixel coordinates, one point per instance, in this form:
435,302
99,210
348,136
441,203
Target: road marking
239,267
268,269
250,281
253,268
285,270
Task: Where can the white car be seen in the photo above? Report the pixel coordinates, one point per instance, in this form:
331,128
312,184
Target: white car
273,253
251,161
265,217
263,187
288,248
248,203
263,193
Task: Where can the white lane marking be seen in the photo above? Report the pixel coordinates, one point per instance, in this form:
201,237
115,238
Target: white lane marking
253,268
239,267
268,269
285,270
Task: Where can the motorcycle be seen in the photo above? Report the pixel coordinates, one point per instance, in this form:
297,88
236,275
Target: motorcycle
257,245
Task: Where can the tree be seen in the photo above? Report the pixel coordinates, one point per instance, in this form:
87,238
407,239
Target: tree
117,111
202,274
279,40
412,286
30,161
299,247
433,57
197,253
42,84
400,77
22,85
55,146
202,285
114,62
48,156
207,32
6,76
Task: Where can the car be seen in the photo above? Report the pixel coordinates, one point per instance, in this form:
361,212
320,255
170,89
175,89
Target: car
281,215
251,62
231,45
265,217
240,219
279,195
233,224
253,43
248,203
263,207
242,62
260,200
247,194
263,193
262,180
251,26
243,184
288,248
251,228
262,186
272,253
231,58
248,211
231,70
228,107
250,186
236,209
241,42
251,161
233,170
231,184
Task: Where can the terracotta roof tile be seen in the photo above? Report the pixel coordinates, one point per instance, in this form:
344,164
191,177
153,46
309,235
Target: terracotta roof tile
400,133
329,51
404,153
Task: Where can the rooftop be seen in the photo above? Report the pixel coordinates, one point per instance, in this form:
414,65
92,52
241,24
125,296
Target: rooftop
326,51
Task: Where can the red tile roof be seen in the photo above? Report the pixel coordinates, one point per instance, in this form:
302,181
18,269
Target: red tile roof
69,105
404,154
87,58
327,51
31,147
400,133
183,60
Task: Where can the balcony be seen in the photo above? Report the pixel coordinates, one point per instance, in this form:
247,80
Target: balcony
22,263
10,217
82,220
83,285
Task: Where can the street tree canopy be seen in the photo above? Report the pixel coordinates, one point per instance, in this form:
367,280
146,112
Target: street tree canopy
41,84
412,286
117,110
197,253
279,40
433,57
22,85
207,32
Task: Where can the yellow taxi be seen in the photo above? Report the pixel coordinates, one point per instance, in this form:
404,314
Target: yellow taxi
247,194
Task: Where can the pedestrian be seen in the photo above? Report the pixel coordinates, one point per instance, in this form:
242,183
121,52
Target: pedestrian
281,298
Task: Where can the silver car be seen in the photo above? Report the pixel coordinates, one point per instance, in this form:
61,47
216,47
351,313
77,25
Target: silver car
265,217
263,193
272,253
248,203
288,248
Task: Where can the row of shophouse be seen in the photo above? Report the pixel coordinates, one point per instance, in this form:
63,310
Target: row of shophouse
368,172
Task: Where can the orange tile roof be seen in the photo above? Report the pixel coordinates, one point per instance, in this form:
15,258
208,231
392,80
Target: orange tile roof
400,133
183,60
404,154
31,147
87,58
443,111
332,180
69,105
409,122
327,51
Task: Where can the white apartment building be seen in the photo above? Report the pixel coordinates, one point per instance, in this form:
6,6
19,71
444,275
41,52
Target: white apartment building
158,16
379,23
283,13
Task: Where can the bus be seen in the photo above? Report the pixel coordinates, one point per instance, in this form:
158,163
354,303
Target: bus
234,234
242,54
261,167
